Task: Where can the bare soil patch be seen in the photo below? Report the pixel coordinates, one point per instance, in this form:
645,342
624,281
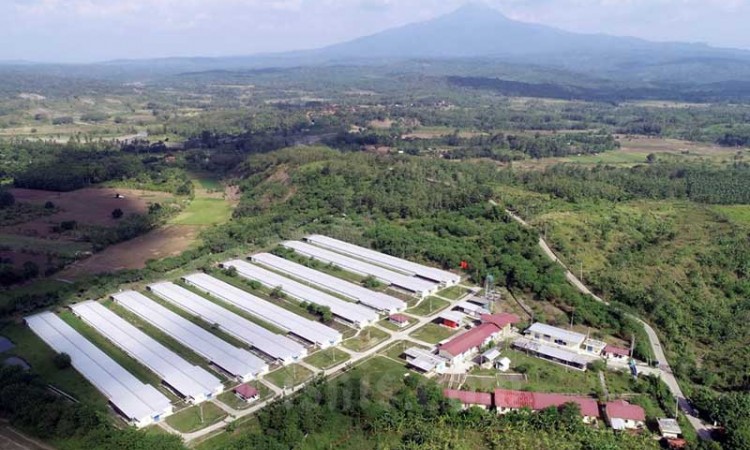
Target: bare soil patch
89,206
133,254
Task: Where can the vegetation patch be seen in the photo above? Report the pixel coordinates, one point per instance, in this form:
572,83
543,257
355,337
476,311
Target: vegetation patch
324,359
196,417
366,339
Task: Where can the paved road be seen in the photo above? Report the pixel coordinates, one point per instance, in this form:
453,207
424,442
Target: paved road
665,372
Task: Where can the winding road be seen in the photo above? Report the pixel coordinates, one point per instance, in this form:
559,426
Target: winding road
665,371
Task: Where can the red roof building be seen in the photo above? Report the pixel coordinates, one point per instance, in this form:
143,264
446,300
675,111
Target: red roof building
507,400
399,319
246,392
624,414
469,341
500,320
469,398
615,351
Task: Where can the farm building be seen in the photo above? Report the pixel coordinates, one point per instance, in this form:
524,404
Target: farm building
235,361
452,319
471,309
470,399
247,393
669,428
399,320
616,353
376,300
351,312
552,335
381,259
140,404
423,360
313,332
552,353
507,400
277,347
621,415
191,382
488,358
416,286
464,346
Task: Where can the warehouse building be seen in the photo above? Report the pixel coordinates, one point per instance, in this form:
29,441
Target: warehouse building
352,313
465,346
552,335
506,400
140,404
552,353
390,262
376,300
235,361
469,399
189,381
276,347
416,286
311,331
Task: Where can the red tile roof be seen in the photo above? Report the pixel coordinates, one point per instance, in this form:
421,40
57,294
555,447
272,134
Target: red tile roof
616,350
400,318
505,398
246,391
469,398
620,409
472,338
501,320
589,407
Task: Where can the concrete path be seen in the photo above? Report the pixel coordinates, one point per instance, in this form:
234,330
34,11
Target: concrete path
664,371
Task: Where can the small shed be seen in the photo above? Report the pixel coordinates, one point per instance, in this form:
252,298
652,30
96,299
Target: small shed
488,358
503,364
452,319
399,320
247,393
614,352
669,428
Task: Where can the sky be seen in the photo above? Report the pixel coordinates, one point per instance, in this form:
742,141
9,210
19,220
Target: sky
101,30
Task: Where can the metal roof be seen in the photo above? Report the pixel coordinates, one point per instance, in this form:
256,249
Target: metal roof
472,307
238,362
453,316
314,332
491,354
375,300
412,284
667,425
471,339
551,351
382,259
190,381
559,333
138,401
356,314
276,346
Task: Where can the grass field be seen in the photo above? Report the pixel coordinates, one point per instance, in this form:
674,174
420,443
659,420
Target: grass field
397,349
189,419
289,376
428,306
453,292
737,214
56,247
366,339
323,359
432,333
204,212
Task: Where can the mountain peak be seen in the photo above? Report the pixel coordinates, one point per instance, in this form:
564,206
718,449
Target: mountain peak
476,10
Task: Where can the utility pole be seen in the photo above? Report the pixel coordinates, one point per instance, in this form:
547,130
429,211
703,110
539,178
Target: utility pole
581,271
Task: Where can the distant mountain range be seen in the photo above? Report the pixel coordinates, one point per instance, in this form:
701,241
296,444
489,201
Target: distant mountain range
478,36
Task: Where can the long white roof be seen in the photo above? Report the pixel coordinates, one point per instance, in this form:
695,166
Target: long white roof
315,332
549,330
375,300
413,284
382,259
274,345
138,401
236,361
191,381
352,312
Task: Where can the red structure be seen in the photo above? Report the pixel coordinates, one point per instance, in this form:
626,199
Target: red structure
246,392
469,398
507,399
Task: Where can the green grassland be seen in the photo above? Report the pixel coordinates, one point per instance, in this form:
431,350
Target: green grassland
428,306
432,333
289,376
196,417
324,359
230,399
366,339
453,292
204,212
